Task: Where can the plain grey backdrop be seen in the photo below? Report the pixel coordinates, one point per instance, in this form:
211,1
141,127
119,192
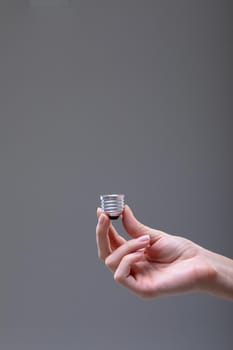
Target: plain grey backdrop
101,97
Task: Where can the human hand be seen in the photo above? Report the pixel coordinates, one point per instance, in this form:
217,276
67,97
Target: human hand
152,263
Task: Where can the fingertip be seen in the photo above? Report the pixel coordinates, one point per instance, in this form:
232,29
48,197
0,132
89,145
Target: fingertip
128,217
132,226
104,219
127,212
127,208
98,212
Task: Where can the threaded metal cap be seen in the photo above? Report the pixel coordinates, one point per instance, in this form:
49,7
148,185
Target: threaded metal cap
112,205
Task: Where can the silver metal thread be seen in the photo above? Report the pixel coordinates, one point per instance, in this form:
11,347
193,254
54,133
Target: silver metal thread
112,205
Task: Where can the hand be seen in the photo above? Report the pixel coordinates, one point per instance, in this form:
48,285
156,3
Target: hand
152,263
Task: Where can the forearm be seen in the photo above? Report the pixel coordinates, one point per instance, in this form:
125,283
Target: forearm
222,282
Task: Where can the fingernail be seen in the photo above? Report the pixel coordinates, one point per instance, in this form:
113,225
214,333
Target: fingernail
143,238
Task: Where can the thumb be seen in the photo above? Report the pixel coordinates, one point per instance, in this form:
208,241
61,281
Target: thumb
132,226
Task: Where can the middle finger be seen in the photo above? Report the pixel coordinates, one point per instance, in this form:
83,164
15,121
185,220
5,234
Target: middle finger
113,260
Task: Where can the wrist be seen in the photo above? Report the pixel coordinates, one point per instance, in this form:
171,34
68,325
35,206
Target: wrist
219,276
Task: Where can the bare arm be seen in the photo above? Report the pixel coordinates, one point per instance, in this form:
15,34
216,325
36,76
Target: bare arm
222,284
153,263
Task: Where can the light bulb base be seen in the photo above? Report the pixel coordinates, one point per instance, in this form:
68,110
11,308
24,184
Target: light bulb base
113,217
112,205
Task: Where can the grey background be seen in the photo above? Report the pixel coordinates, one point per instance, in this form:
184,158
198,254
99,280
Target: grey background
111,96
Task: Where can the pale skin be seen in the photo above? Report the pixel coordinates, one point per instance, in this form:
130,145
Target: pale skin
153,263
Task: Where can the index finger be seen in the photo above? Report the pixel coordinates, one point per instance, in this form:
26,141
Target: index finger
102,239
115,240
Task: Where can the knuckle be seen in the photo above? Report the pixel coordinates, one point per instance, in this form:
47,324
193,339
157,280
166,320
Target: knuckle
141,228
101,256
109,262
117,277
126,259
